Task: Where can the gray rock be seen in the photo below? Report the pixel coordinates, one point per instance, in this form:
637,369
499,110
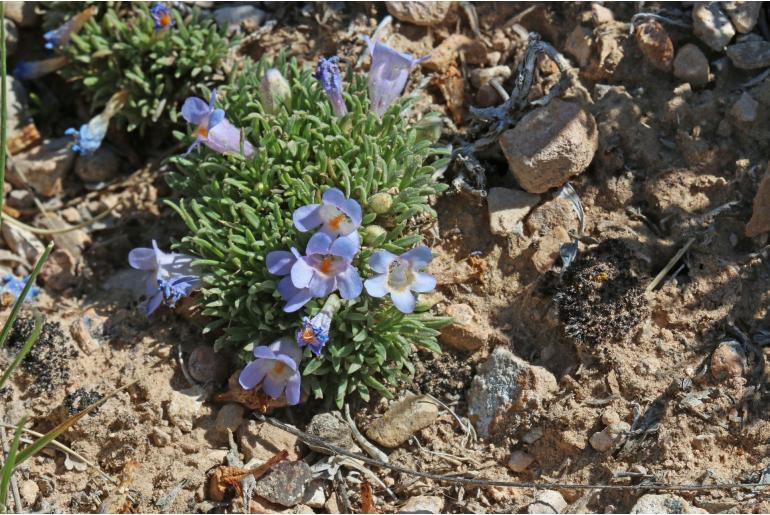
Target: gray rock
18,110
423,504
466,333
743,15
11,37
690,65
331,427
481,76
101,166
235,18
285,483
664,503
505,382
402,420
519,461
44,167
419,13
315,494
712,25
260,441
230,417
183,408
207,366
750,54
23,243
22,13
508,208
547,501
21,199
550,145
744,110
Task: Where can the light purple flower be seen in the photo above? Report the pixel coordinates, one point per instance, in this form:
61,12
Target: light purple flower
277,369
400,275
315,332
60,36
28,70
214,130
337,215
161,17
90,136
328,74
325,268
387,74
170,277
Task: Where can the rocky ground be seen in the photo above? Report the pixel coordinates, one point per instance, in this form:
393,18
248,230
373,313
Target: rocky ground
609,329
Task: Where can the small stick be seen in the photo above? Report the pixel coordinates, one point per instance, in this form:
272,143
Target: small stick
669,265
370,449
500,90
342,492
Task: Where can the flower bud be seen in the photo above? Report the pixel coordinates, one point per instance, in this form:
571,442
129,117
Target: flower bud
372,233
380,203
275,90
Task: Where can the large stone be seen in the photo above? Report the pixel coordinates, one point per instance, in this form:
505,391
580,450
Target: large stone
207,366
760,217
508,208
547,501
402,420
229,418
233,19
503,383
579,44
690,65
261,441
750,54
419,13
60,270
22,13
44,167
744,110
423,504
285,483
550,145
333,429
712,25
655,44
744,15
101,166
664,503
466,332
22,243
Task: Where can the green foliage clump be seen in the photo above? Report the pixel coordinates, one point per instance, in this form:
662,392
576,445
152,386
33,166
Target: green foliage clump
239,209
119,49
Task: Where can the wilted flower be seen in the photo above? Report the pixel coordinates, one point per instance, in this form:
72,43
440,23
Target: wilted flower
325,268
400,275
89,137
328,74
161,16
315,331
214,130
277,368
28,70
13,286
387,74
59,37
337,215
274,90
170,277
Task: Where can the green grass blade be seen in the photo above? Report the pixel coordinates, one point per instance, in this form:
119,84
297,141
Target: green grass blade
24,350
3,107
9,465
17,306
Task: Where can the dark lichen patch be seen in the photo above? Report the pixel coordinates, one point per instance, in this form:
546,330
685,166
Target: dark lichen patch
600,297
48,362
80,399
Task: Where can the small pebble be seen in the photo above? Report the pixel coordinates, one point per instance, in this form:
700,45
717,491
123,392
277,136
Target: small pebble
520,461
610,416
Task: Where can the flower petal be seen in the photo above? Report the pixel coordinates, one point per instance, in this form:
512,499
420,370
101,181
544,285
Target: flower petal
307,218
419,257
381,260
345,248
403,300
272,387
423,282
264,352
279,262
333,196
154,302
142,258
319,243
286,288
301,298
301,273
321,286
216,117
377,286
288,348
349,283
293,389
195,110
252,374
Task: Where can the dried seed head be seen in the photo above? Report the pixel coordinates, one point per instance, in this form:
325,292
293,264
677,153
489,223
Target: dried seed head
275,90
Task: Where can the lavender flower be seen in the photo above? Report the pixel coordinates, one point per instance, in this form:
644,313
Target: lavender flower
28,70
326,268
170,276
90,135
214,130
315,331
328,74
161,17
388,74
400,275
277,369
337,215
59,37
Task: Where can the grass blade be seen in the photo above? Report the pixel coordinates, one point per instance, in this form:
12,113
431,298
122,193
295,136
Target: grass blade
30,281
9,465
24,350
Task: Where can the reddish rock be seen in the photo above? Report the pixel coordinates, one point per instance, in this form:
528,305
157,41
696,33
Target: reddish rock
466,333
727,361
655,44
